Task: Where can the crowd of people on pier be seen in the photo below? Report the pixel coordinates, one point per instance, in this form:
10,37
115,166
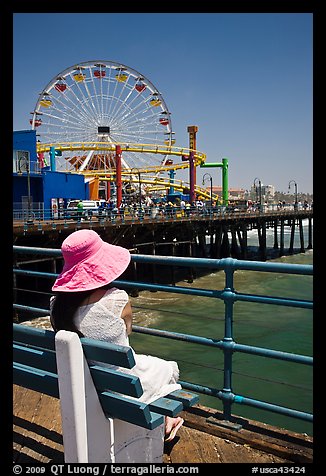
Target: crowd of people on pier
147,207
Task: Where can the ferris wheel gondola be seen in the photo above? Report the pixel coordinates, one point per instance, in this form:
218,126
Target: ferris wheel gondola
103,101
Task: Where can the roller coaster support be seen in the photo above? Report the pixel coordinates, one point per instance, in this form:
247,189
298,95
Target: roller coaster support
225,182
192,177
172,174
118,174
52,159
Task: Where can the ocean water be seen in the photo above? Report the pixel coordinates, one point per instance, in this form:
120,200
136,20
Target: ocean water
271,326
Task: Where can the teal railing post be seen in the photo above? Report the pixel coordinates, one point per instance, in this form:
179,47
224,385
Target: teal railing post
228,338
228,298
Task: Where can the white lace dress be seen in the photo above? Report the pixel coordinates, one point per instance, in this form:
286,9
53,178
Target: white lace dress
102,320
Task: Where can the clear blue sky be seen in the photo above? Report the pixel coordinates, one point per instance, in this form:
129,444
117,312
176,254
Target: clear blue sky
245,79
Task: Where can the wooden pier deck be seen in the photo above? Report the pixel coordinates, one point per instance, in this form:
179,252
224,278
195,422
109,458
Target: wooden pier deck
37,437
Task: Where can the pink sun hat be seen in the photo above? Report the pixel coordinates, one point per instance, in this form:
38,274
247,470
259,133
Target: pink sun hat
89,262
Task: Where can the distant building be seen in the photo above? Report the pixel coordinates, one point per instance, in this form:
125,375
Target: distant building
234,193
267,192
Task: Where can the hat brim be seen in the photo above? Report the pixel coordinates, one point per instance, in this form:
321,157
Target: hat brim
102,268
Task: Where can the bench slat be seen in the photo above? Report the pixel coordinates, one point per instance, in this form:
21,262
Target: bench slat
129,410
35,379
33,336
38,358
108,353
166,406
109,379
186,398
93,349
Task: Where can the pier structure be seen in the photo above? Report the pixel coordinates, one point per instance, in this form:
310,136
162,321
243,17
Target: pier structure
210,235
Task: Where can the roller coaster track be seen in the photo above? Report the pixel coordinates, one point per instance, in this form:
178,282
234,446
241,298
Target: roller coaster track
155,182
199,157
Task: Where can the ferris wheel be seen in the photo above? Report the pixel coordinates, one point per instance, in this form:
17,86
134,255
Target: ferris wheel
103,101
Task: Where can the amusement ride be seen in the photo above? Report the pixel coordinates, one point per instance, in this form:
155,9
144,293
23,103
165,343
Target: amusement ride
109,122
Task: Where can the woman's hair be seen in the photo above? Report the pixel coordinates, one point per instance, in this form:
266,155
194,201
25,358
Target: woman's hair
64,307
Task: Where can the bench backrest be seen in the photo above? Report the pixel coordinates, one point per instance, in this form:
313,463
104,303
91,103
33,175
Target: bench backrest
101,422
35,367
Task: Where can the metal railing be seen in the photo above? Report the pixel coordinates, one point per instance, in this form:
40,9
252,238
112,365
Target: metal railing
135,214
229,296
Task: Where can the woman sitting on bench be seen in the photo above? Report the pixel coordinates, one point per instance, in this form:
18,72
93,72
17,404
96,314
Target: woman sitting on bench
86,302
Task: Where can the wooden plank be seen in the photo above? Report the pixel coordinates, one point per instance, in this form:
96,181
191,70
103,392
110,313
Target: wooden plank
37,437
194,446
277,441
37,433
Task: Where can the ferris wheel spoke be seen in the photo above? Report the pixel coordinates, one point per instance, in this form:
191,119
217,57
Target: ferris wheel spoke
83,100
137,121
118,99
111,103
106,103
87,113
66,110
125,101
90,100
135,113
59,122
66,102
92,81
123,104
67,115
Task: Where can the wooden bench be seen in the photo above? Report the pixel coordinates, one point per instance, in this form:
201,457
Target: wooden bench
102,420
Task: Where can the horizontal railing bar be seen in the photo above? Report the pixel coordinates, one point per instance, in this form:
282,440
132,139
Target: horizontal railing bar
232,346
38,274
224,396
273,408
303,303
37,251
282,301
35,310
223,263
226,263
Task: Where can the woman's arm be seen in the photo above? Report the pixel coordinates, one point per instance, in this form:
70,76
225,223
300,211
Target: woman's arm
127,317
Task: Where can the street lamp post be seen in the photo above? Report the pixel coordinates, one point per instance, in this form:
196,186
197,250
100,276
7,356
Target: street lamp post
295,192
211,191
258,192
